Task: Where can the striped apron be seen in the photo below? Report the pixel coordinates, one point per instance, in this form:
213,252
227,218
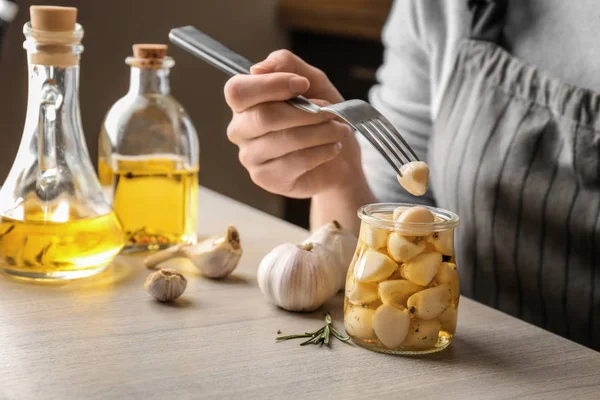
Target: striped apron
516,153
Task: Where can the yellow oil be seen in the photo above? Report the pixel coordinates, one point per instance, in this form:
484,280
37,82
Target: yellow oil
57,242
155,198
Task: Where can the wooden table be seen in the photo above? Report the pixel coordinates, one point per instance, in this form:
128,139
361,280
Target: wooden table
106,338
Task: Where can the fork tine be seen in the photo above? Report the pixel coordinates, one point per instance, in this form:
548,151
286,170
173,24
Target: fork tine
390,138
376,142
394,133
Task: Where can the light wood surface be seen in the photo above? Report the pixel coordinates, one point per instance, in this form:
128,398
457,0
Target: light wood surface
105,338
361,19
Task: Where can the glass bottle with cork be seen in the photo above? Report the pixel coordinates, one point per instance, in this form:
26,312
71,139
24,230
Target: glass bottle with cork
148,157
55,222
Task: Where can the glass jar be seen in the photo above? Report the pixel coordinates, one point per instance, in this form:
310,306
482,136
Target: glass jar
148,157
402,288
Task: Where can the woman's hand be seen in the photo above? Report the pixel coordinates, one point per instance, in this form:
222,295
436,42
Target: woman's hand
288,151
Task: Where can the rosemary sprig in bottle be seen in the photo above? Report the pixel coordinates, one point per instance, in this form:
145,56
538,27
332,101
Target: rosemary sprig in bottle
320,336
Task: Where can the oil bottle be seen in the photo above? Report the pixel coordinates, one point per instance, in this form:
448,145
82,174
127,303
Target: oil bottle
148,157
55,222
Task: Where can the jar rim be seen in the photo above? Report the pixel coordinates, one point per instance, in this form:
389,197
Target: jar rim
368,213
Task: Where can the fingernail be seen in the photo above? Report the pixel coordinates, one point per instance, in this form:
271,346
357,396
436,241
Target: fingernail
338,146
299,85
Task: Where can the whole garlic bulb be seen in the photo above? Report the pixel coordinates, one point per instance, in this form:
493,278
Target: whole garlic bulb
165,284
340,242
299,277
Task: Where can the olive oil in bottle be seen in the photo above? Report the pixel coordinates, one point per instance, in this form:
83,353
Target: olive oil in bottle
148,157
155,197
55,222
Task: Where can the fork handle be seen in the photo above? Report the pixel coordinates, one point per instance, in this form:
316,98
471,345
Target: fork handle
208,49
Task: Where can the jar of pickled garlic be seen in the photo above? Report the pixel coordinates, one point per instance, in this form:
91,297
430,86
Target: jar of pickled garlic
402,288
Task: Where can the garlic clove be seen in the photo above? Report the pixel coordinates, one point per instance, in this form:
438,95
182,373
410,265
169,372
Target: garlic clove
403,248
216,257
414,177
398,211
165,284
397,292
391,325
416,215
422,268
373,266
373,237
443,242
361,292
298,277
340,242
448,319
422,334
429,303
358,322
447,273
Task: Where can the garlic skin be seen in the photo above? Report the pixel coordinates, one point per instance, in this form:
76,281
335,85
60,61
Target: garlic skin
299,277
165,284
340,242
215,257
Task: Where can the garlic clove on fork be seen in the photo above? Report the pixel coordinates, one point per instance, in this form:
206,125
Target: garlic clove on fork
215,257
415,177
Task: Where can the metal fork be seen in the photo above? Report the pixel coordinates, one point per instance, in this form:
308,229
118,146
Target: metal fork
359,114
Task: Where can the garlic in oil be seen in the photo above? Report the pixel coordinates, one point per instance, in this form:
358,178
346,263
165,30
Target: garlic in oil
165,284
215,257
340,242
299,277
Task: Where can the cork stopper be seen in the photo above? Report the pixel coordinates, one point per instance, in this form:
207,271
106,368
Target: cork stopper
142,50
149,56
53,18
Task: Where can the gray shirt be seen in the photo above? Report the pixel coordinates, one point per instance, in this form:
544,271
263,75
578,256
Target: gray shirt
421,38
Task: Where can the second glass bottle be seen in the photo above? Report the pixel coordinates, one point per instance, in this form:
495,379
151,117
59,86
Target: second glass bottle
148,157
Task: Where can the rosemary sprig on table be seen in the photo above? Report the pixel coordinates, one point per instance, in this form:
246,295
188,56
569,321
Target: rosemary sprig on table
320,336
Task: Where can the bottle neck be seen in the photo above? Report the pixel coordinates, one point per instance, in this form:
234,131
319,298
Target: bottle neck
149,81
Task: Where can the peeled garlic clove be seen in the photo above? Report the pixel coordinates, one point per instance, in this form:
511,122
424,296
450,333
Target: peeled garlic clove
443,242
391,325
447,273
373,237
422,334
165,284
361,292
216,257
373,266
396,293
299,277
402,248
429,303
422,268
448,319
416,215
358,322
414,177
340,242
398,211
